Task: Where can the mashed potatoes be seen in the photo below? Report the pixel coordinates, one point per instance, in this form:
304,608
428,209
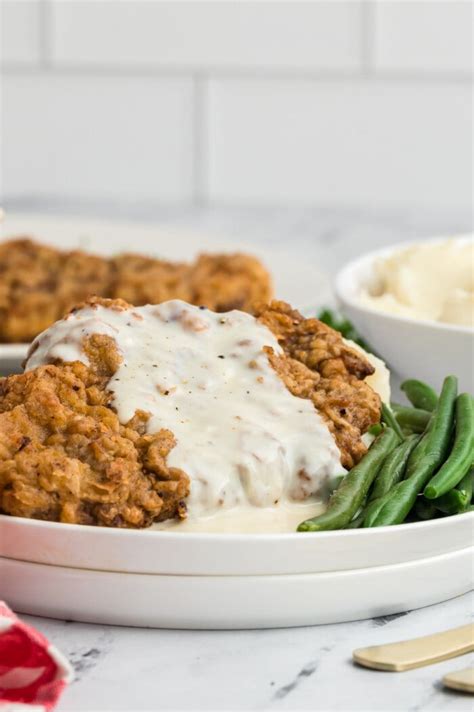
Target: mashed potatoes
433,281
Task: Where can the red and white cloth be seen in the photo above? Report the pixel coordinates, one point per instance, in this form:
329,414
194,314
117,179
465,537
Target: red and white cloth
33,673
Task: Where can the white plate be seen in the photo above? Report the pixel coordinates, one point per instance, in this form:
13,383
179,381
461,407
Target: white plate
145,551
11,357
233,601
295,280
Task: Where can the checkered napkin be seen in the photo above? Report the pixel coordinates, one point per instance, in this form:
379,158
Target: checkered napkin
33,673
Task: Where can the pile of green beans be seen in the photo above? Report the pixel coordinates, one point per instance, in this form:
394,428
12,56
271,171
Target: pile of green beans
419,467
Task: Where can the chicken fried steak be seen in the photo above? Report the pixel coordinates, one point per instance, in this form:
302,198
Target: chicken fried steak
65,456
39,284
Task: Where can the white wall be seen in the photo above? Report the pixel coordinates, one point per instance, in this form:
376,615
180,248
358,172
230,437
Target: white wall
352,103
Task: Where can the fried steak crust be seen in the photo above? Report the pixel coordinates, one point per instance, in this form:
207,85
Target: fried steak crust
39,284
64,455
319,365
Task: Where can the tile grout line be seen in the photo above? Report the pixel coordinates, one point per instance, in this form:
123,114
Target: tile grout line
232,74
200,140
45,36
367,30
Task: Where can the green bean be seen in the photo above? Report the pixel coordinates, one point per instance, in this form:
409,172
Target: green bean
400,499
395,506
420,394
346,327
460,459
343,325
372,510
375,429
466,486
393,468
389,418
419,452
424,509
449,388
327,317
335,482
456,500
365,512
357,521
345,502
413,419
450,503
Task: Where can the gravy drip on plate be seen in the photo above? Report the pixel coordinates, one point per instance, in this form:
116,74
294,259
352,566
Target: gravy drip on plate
242,437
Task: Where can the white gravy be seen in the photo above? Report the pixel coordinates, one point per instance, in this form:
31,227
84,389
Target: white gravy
244,440
279,519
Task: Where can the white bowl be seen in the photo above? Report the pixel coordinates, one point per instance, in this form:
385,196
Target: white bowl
412,348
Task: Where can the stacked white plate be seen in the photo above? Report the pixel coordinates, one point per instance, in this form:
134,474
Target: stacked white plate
193,580
190,580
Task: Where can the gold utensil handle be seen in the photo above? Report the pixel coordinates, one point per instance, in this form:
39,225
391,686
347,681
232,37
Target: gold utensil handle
460,680
409,654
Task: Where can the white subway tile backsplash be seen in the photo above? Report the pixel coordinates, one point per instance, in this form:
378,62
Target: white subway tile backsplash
20,32
97,137
430,36
116,115
358,142
221,35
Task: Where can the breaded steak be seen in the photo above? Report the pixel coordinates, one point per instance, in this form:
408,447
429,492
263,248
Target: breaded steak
64,455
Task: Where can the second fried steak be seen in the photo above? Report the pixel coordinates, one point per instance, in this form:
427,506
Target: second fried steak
39,284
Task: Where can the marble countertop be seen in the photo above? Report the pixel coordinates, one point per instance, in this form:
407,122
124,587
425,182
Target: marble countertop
134,669
294,669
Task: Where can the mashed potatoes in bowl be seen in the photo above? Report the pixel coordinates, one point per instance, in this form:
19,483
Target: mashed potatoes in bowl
433,281
413,303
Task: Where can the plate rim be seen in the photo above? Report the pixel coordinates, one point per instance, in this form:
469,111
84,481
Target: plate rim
14,350
302,574
236,536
